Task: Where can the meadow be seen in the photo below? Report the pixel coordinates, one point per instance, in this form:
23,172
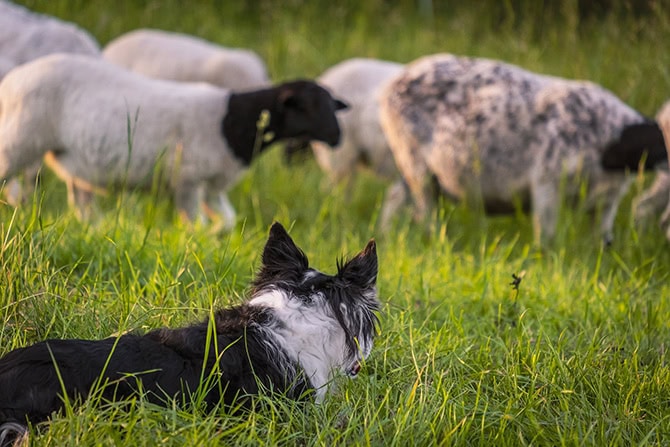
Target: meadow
576,355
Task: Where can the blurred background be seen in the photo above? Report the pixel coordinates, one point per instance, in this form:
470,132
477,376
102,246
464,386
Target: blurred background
620,44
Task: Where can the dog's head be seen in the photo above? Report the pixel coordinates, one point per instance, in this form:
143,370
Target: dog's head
328,321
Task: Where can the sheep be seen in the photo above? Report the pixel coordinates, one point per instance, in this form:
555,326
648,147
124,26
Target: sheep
98,125
14,190
655,199
505,136
179,57
357,81
5,66
25,35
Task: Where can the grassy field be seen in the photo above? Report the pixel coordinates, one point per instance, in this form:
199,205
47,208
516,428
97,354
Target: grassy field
576,356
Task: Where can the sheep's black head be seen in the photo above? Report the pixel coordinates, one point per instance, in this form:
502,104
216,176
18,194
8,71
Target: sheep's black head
297,112
637,142
306,111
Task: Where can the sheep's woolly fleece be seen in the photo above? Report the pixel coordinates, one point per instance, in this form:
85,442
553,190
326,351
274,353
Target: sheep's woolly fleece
499,135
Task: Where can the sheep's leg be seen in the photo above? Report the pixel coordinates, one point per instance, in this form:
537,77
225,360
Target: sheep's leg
665,221
414,170
188,197
612,197
395,197
15,191
545,203
338,163
217,207
18,189
79,199
79,192
665,217
419,187
653,200
408,152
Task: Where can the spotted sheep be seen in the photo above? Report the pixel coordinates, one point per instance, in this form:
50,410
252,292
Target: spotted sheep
75,111
501,135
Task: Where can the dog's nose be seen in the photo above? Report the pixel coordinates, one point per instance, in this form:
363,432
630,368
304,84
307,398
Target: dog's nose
353,371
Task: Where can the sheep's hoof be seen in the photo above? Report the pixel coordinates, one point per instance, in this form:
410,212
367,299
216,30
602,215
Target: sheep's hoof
220,226
608,239
14,193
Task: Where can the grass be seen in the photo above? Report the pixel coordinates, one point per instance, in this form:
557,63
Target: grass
576,356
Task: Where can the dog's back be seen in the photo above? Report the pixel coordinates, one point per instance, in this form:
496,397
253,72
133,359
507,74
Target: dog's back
163,364
33,379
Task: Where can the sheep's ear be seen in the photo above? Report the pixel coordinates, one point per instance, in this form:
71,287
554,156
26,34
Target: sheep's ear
282,259
340,105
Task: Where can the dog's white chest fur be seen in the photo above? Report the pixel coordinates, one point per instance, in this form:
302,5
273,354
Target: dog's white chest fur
309,334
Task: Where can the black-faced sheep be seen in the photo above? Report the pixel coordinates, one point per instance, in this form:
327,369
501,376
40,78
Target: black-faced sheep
504,136
78,111
180,57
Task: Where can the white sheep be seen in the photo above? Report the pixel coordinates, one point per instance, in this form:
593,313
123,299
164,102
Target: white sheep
25,35
358,82
77,111
179,57
502,135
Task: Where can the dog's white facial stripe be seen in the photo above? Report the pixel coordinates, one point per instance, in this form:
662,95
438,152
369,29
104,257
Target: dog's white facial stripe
309,274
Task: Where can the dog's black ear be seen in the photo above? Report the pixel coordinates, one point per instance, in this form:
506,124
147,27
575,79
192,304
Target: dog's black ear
362,269
281,257
635,142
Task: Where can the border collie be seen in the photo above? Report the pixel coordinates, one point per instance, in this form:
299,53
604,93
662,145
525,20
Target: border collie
299,329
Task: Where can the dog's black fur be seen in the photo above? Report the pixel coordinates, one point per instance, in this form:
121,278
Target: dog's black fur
170,363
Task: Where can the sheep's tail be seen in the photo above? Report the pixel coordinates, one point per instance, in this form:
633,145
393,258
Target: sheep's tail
13,434
641,141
